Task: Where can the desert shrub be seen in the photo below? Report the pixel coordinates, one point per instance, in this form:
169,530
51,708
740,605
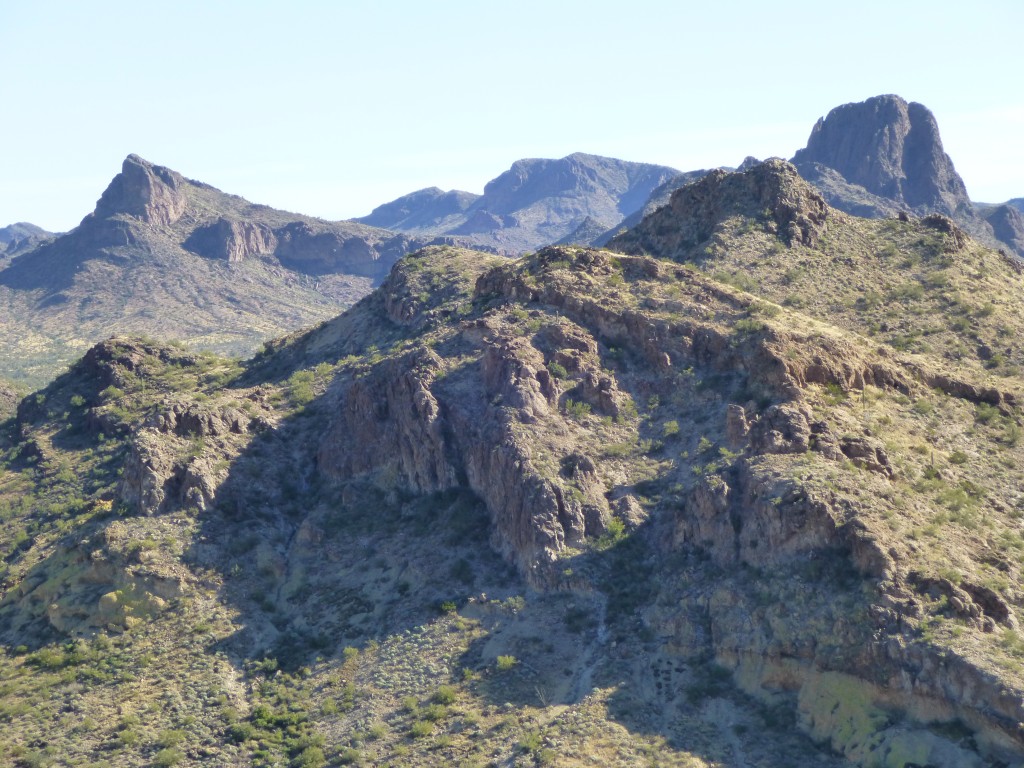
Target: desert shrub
167,757
310,757
421,729
558,370
577,409
446,694
985,413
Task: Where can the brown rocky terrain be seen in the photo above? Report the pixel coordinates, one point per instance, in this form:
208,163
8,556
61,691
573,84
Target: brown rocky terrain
743,491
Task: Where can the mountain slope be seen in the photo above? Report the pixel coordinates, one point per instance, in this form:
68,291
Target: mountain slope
534,203
753,499
177,259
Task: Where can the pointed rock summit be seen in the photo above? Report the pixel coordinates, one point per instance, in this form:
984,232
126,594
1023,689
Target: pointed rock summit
892,149
152,193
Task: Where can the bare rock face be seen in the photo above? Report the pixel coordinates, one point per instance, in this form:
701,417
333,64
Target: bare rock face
771,191
232,240
890,148
152,193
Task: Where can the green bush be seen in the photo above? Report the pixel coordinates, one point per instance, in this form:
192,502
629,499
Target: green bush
421,729
310,757
576,409
168,757
446,694
505,663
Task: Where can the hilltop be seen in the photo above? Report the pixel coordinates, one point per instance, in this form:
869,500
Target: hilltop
177,259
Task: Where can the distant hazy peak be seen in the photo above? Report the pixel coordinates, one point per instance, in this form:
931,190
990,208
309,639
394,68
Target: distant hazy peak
535,202
21,230
892,149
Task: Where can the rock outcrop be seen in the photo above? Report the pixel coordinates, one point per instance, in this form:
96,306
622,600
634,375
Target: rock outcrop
884,155
890,148
771,191
232,241
151,193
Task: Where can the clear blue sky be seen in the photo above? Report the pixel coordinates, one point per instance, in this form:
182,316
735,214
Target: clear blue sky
330,108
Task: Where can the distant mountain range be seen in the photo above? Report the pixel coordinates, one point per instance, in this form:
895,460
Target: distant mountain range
175,258
532,204
166,256
20,238
876,158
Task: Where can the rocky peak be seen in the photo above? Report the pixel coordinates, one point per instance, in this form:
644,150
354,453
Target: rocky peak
152,193
892,149
772,190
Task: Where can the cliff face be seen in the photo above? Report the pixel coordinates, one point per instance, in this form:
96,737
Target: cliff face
152,193
892,149
884,155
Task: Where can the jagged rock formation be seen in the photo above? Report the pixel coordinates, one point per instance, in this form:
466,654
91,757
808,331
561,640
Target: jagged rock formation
883,155
152,193
771,190
534,203
890,148
171,257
